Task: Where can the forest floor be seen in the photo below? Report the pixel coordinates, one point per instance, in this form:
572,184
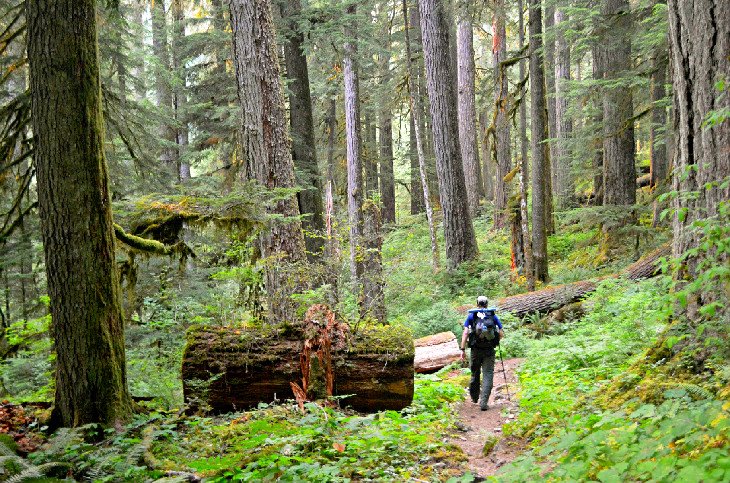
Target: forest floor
478,428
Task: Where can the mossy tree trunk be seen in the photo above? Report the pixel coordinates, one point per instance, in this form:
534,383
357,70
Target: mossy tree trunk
501,99
266,146
75,212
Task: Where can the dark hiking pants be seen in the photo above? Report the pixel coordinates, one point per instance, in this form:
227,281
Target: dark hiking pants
482,374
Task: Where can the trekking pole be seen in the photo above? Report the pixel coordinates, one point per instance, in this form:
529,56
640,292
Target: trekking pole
506,384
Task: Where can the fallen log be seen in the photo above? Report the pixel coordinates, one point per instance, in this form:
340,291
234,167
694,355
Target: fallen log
226,369
552,298
434,352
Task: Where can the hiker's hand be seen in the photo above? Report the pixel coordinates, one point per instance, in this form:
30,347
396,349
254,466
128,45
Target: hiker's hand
463,355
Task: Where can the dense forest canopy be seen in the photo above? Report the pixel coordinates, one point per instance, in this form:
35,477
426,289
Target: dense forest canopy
302,187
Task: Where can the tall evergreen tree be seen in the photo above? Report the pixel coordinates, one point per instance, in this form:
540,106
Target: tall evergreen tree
540,149
501,99
266,147
458,229
75,211
564,185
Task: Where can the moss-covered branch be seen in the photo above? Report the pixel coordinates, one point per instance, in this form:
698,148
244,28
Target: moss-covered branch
144,245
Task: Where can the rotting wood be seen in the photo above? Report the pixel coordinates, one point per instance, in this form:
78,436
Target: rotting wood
436,351
226,369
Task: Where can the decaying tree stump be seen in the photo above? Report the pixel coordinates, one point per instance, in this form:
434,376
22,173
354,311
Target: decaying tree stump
552,298
436,351
227,369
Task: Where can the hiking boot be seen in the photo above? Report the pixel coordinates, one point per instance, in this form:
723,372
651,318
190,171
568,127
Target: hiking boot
484,408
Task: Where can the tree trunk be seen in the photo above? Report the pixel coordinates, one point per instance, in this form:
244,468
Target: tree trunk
619,172
163,91
549,69
304,148
385,120
370,154
417,137
487,176
564,186
501,93
659,162
467,108
180,100
524,163
266,147
458,229
539,145
373,283
331,139
259,365
436,351
354,155
417,205
598,69
699,36
75,213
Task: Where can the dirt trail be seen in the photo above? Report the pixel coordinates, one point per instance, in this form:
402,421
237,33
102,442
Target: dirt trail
476,426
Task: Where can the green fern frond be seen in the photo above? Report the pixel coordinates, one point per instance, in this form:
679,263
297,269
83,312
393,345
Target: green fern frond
697,392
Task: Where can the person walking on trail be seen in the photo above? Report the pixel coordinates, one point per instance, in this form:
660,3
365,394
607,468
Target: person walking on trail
482,331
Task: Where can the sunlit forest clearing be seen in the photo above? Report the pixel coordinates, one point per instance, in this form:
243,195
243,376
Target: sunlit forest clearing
364,240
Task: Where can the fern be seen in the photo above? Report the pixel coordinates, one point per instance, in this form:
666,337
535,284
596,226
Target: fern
697,392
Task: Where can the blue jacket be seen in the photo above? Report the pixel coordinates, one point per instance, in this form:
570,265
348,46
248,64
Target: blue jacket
470,316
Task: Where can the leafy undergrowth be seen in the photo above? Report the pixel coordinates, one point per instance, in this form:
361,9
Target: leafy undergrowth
670,430
280,443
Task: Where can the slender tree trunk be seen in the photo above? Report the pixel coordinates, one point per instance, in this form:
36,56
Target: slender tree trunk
163,90
487,175
331,139
619,173
385,120
598,69
659,160
266,147
301,122
564,187
699,36
501,93
75,212
524,162
467,107
370,157
354,155
549,69
540,148
180,100
417,139
417,205
458,229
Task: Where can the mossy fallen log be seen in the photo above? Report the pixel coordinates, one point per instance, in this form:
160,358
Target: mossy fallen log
226,369
550,299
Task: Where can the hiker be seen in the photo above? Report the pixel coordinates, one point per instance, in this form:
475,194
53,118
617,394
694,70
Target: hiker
483,330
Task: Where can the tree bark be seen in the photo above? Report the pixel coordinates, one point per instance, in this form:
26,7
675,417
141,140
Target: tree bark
524,162
75,212
370,154
598,69
501,94
458,229
163,91
304,148
385,126
354,155
373,284
539,145
564,185
699,36
180,100
549,69
659,163
467,107
266,147
417,205
619,172
487,176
